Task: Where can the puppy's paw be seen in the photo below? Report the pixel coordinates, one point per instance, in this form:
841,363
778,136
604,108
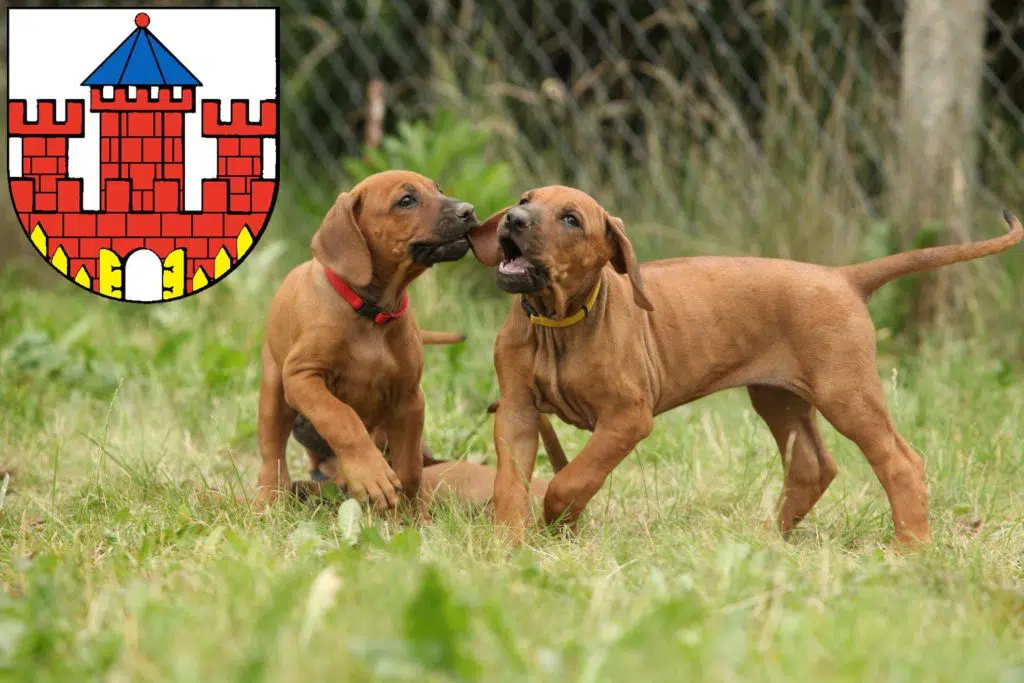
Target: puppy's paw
266,496
369,479
273,480
306,490
421,510
408,512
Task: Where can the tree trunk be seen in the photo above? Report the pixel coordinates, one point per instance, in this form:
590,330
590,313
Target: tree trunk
942,62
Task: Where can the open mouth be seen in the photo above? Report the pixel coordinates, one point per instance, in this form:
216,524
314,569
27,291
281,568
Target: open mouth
429,253
513,263
516,273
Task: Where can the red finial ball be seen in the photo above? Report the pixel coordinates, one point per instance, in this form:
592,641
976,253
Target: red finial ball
142,20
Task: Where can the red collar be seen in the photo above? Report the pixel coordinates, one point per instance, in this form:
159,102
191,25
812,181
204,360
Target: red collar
361,306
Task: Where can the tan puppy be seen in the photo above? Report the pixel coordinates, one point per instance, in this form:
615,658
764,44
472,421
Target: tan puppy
607,344
343,350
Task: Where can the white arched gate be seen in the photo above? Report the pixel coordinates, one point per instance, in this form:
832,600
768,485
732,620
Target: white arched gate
143,276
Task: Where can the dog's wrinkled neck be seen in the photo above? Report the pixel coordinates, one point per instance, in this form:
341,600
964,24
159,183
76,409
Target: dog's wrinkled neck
554,302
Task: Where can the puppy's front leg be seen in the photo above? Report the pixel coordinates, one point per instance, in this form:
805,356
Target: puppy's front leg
516,428
364,469
615,436
405,439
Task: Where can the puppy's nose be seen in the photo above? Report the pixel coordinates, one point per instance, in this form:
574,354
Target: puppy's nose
516,220
464,210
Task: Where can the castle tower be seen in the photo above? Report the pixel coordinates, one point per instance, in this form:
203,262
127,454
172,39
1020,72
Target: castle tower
142,133
44,156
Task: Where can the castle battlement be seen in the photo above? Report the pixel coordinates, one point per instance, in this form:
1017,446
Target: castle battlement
239,125
46,123
143,100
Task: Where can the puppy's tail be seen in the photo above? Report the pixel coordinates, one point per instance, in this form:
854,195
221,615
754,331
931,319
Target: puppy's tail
869,276
429,337
553,447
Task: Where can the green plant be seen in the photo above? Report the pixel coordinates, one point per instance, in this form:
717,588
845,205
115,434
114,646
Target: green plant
453,152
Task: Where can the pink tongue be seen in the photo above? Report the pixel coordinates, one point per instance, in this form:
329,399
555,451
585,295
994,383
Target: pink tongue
516,266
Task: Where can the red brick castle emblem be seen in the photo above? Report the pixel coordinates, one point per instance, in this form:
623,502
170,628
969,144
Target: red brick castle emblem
146,142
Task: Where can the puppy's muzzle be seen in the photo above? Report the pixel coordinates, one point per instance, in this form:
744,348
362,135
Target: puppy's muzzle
516,220
518,272
465,211
457,219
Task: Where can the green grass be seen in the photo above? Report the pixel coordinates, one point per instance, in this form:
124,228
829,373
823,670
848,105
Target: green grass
119,561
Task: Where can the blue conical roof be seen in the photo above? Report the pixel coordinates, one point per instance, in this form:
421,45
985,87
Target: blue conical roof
141,60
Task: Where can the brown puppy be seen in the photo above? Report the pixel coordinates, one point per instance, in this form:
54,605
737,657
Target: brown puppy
607,344
341,347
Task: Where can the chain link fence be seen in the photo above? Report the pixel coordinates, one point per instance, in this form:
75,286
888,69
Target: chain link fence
687,114
757,125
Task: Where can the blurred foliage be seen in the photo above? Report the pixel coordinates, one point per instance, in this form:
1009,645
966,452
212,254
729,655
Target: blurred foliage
438,629
627,70
451,152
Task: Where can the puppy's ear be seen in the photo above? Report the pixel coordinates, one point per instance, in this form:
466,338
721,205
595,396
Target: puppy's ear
483,239
339,244
624,260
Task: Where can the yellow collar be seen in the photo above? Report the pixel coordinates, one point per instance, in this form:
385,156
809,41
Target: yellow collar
564,322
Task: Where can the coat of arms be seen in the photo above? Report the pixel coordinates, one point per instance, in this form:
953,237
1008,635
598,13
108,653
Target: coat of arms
143,168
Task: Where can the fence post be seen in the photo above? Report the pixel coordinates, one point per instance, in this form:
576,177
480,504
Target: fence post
374,112
942,62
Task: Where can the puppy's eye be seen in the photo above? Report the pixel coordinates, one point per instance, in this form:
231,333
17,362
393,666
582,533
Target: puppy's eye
522,201
405,201
572,220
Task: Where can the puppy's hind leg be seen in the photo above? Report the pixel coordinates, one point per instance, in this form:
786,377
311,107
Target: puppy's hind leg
404,433
857,409
809,467
317,449
275,423
323,465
